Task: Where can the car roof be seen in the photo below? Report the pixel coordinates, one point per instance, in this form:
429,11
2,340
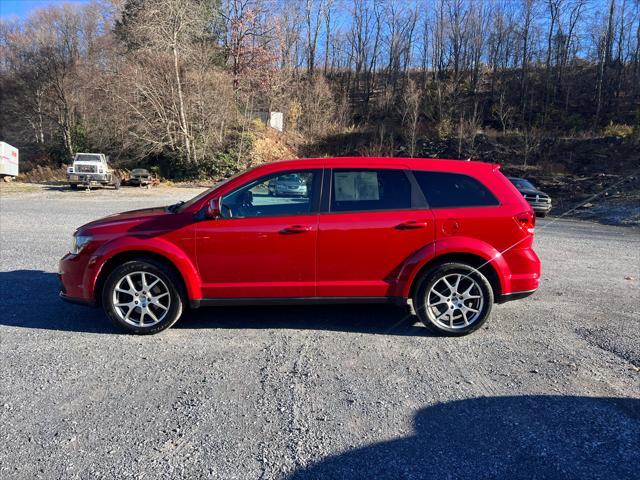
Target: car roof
387,162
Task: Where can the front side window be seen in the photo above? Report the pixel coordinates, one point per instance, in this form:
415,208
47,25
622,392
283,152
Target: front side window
447,190
370,190
281,194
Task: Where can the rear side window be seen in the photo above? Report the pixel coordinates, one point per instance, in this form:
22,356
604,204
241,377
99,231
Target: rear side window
370,190
444,190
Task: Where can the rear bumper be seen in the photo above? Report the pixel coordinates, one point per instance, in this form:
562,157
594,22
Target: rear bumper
524,272
508,297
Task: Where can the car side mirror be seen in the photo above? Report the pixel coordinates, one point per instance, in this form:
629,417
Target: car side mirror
213,210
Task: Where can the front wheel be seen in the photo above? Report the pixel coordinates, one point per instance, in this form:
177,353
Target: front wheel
142,297
453,299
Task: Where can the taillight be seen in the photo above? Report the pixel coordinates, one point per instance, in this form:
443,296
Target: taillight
526,220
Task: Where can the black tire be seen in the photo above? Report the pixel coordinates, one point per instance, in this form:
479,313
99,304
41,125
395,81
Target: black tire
541,214
73,186
135,267
468,275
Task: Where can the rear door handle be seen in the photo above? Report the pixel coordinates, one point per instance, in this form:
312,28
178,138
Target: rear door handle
295,229
413,224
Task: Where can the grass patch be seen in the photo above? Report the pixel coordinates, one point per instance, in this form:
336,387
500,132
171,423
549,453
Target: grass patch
18,187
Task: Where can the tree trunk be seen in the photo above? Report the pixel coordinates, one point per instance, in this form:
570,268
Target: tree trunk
184,127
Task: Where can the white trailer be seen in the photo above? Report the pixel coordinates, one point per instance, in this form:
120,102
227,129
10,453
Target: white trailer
8,160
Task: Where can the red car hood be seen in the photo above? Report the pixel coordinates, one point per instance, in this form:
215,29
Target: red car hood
126,218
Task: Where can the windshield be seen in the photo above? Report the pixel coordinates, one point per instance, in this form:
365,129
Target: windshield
523,184
87,157
200,196
139,171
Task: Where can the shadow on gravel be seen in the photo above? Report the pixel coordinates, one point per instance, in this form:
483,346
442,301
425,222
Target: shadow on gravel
30,300
544,437
378,319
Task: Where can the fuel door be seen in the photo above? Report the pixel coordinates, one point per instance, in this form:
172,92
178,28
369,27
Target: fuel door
451,226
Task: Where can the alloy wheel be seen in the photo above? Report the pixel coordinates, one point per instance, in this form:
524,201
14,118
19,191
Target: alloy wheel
141,299
455,301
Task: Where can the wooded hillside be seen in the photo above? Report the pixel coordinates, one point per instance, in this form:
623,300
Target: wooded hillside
177,84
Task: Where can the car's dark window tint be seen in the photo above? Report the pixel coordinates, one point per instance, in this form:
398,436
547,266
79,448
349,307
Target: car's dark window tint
367,190
453,190
284,193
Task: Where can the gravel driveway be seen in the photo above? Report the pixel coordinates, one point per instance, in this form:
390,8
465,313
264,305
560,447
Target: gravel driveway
549,389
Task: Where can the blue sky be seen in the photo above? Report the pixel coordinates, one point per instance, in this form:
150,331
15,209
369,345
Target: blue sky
22,8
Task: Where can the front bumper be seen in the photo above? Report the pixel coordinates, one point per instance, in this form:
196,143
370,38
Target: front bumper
76,301
88,178
139,181
540,206
72,273
291,193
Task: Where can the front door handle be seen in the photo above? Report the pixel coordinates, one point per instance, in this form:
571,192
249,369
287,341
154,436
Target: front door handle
413,224
295,229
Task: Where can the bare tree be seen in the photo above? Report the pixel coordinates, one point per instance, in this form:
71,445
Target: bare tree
411,114
313,12
173,26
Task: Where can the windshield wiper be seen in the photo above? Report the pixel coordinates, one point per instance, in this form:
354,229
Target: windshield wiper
174,208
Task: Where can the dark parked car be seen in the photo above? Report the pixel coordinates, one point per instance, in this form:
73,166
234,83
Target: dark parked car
140,176
540,201
289,184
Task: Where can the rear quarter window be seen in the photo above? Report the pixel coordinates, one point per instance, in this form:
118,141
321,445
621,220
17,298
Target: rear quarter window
445,190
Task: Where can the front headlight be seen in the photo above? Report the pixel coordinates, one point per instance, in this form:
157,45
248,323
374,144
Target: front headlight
79,242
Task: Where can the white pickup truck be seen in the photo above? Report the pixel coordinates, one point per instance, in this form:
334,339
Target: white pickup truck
91,169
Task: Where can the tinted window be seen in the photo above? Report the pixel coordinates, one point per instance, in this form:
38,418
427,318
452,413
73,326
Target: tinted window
289,193
366,190
453,190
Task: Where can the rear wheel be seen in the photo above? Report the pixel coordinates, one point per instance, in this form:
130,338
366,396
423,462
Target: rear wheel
142,297
73,186
453,299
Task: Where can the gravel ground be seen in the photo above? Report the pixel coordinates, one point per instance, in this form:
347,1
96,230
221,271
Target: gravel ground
549,389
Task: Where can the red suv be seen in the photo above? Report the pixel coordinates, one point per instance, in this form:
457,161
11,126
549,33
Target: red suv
452,236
